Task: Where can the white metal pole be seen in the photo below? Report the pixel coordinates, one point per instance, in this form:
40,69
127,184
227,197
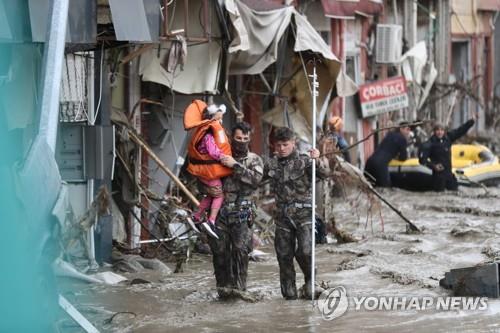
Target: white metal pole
313,208
93,265
134,97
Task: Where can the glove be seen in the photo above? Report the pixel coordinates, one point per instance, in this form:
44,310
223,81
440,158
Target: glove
439,167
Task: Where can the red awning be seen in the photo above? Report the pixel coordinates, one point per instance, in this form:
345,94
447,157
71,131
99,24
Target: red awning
488,5
264,5
347,9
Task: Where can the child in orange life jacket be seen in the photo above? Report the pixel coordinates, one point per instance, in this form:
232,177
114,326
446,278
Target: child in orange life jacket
208,146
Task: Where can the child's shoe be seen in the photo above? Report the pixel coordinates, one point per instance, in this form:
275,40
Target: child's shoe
209,228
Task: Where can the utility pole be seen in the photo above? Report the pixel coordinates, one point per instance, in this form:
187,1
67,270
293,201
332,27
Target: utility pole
442,54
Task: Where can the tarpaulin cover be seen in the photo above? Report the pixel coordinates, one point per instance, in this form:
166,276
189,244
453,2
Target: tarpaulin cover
201,71
257,35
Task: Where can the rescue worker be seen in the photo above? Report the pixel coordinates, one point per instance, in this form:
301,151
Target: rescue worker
436,154
392,146
335,125
234,222
290,174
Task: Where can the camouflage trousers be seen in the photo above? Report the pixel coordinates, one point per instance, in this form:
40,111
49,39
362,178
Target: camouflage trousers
293,239
230,251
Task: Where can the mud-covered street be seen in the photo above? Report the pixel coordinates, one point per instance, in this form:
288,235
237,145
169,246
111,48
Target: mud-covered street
459,230
145,142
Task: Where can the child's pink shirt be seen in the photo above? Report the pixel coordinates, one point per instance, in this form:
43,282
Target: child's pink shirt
208,146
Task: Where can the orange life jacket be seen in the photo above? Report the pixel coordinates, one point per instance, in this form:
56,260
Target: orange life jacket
202,165
193,115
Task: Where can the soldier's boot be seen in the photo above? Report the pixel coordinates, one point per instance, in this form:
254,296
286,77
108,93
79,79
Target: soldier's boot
224,293
305,290
288,289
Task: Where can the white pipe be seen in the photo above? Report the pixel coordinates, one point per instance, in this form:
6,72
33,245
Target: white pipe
93,265
90,182
52,71
395,11
313,208
135,239
76,315
133,98
156,240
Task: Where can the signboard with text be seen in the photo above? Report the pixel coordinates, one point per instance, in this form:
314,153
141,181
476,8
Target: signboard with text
383,96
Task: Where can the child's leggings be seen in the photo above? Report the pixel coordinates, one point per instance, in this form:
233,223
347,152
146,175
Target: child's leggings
214,199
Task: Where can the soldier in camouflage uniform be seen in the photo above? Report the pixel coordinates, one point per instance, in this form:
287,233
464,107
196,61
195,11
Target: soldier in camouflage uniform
290,174
235,219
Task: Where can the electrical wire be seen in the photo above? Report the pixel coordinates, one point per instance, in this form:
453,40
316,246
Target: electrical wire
459,20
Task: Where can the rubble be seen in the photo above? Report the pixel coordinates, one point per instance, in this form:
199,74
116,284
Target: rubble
136,263
399,277
349,264
409,251
463,209
357,253
492,252
460,232
482,280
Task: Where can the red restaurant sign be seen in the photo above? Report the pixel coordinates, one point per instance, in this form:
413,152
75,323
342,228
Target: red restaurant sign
383,96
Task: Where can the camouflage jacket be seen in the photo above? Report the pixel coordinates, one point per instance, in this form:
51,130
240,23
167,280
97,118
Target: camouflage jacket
291,177
246,177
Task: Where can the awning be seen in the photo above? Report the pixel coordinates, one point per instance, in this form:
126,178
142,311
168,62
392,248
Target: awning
264,5
255,48
347,9
200,75
296,121
488,5
204,62
257,34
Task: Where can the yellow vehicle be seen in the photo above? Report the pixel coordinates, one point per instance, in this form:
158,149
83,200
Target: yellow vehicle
472,164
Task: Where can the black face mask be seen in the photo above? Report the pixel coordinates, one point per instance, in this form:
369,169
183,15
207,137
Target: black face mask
239,148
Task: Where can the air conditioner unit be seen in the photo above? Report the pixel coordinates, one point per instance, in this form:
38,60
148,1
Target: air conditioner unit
389,42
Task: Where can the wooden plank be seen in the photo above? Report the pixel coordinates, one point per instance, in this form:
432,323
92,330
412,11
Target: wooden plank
162,166
134,54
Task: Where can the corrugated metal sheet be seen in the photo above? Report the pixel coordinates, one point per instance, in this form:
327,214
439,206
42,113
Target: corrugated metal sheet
137,21
82,21
264,5
347,9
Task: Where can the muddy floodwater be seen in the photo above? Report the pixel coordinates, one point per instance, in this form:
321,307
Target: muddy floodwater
459,230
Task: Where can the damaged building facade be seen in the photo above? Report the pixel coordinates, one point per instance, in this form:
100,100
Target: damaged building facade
235,63
376,40
123,88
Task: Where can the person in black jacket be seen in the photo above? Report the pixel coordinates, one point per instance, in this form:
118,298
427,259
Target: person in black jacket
436,154
392,146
